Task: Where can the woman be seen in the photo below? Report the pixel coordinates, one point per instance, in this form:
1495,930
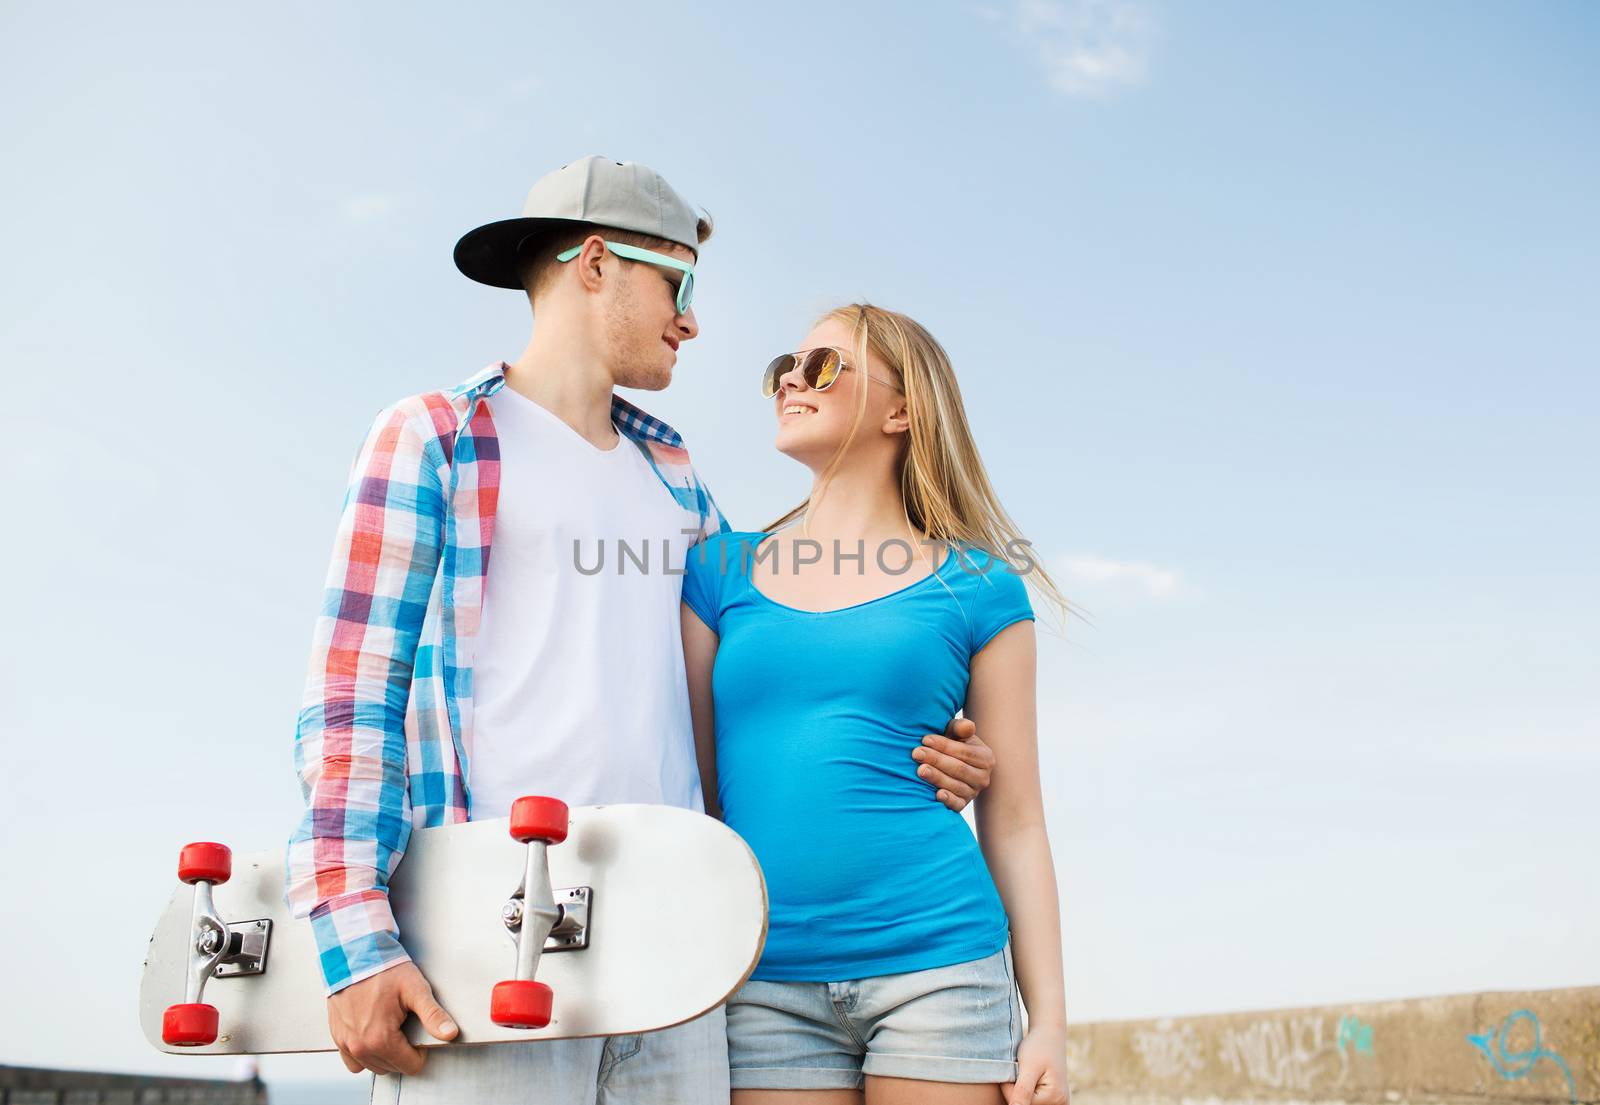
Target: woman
817,656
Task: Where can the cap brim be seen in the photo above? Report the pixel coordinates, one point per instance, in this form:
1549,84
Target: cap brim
490,255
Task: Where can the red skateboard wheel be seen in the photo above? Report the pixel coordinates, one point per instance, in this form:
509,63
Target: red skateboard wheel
189,1025
519,1003
211,862
534,818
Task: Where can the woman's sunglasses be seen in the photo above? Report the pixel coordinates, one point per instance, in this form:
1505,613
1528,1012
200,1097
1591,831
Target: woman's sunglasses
819,368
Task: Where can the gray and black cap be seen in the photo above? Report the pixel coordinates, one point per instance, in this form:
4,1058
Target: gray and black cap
598,190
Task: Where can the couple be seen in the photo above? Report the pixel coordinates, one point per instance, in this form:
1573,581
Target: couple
785,680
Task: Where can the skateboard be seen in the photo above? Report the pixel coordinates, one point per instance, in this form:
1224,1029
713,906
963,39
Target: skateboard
550,924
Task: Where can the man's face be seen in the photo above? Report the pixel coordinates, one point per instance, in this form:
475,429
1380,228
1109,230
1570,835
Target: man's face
642,324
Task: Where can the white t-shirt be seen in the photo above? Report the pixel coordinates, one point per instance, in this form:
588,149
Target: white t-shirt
578,683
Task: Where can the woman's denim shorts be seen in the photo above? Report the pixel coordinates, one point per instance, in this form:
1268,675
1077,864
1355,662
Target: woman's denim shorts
961,1023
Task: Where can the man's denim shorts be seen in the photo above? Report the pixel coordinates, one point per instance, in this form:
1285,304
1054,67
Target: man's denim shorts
961,1023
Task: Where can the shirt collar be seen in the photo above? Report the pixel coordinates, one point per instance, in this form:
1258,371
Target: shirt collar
628,418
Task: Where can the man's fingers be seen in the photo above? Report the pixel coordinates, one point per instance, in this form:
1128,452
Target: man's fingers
419,998
937,768
943,782
960,728
959,764
367,1020
973,752
389,1054
373,1060
409,1061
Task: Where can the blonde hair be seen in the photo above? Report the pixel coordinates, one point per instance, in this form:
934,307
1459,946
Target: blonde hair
944,489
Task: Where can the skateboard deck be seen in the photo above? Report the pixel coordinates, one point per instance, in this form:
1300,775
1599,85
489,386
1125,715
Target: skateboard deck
659,915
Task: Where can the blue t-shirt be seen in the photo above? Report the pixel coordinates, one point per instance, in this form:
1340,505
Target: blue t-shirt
817,714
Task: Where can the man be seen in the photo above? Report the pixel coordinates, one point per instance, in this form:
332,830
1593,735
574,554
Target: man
444,682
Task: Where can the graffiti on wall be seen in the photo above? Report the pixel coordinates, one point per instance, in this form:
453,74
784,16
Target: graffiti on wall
1354,1034
1520,1058
1288,1053
1168,1053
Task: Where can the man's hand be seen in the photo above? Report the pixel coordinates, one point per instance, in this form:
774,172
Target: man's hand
365,1020
957,764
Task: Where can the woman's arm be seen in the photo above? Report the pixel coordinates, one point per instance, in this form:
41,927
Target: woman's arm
1011,829
699,653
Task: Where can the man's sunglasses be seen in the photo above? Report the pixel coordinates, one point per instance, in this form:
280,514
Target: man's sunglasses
819,368
634,253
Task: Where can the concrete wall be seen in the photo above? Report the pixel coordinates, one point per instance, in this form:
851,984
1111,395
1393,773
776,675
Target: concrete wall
1540,1046
1531,1048
35,1086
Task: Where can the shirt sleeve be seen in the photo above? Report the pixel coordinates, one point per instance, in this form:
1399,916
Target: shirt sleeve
350,740
712,520
1000,598
702,581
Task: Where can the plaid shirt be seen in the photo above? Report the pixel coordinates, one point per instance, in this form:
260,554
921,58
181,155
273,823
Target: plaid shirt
385,723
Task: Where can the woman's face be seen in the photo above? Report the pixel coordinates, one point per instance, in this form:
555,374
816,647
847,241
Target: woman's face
813,424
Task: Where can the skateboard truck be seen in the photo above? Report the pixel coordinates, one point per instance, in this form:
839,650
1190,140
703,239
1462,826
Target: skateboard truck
522,1002
214,948
571,931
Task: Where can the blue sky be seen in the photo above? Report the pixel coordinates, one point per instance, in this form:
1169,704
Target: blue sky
1277,326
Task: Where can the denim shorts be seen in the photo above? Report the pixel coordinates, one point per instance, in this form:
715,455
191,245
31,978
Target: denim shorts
685,1063
961,1023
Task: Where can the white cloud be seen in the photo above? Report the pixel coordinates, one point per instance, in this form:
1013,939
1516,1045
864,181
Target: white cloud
1089,48
1153,580
520,87
371,207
